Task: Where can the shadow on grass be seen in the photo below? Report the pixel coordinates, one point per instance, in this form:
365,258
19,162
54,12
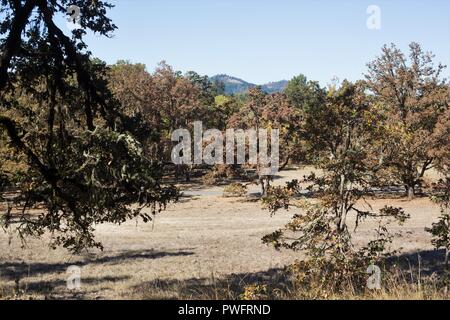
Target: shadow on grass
229,287
18,270
57,289
428,262
425,262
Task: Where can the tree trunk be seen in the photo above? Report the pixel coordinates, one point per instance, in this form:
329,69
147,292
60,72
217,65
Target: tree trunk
447,251
342,210
12,43
446,272
410,191
285,163
265,184
187,173
177,172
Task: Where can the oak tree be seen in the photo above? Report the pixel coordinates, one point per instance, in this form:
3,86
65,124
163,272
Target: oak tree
79,160
414,101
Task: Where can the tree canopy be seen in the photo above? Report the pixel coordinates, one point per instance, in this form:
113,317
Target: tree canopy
71,148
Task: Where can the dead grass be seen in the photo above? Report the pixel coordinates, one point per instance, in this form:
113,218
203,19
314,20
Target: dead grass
205,247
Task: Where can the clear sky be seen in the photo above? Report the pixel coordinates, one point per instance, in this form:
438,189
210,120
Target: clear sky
270,40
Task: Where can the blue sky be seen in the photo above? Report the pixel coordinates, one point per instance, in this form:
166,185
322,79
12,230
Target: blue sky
261,40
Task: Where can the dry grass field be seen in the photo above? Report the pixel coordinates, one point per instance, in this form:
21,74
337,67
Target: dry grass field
205,246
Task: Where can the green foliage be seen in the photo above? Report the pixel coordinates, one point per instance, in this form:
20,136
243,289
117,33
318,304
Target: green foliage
440,230
72,150
338,135
304,94
111,177
208,89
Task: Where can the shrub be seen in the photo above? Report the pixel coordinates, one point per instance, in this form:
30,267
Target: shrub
235,190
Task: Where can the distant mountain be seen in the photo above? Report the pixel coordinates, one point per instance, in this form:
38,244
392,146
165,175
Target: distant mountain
232,85
273,87
235,85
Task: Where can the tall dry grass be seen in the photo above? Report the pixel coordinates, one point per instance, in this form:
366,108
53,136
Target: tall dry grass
397,284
